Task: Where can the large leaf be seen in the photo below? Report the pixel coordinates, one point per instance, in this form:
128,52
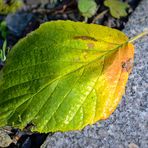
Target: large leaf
64,76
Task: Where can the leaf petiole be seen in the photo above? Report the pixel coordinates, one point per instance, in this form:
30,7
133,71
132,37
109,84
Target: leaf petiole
138,36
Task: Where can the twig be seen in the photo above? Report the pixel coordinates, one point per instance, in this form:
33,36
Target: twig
99,16
85,19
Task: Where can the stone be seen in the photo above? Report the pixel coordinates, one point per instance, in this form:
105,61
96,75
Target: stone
17,22
5,139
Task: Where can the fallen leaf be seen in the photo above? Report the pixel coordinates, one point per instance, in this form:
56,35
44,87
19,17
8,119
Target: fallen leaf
117,8
64,76
87,7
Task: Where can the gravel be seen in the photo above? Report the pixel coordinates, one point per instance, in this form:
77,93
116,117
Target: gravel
127,127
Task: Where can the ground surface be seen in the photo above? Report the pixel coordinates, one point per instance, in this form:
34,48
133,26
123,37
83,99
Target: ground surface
128,126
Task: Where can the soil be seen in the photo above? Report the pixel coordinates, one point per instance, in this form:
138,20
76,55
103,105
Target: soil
30,17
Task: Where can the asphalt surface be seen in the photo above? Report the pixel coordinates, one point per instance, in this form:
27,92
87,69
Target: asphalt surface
128,125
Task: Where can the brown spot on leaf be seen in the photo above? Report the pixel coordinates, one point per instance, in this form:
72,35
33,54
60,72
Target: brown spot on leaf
90,45
127,65
85,38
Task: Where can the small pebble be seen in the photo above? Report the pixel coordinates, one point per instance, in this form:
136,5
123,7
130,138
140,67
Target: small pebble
5,139
133,145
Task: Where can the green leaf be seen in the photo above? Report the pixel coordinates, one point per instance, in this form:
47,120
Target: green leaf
3,29
1,54
3,51
10,8
117,8
64,76
87,7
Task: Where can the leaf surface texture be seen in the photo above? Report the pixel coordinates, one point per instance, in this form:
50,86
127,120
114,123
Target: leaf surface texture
64,76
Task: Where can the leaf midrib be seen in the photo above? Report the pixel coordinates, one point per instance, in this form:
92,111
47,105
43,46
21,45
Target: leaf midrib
60,77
